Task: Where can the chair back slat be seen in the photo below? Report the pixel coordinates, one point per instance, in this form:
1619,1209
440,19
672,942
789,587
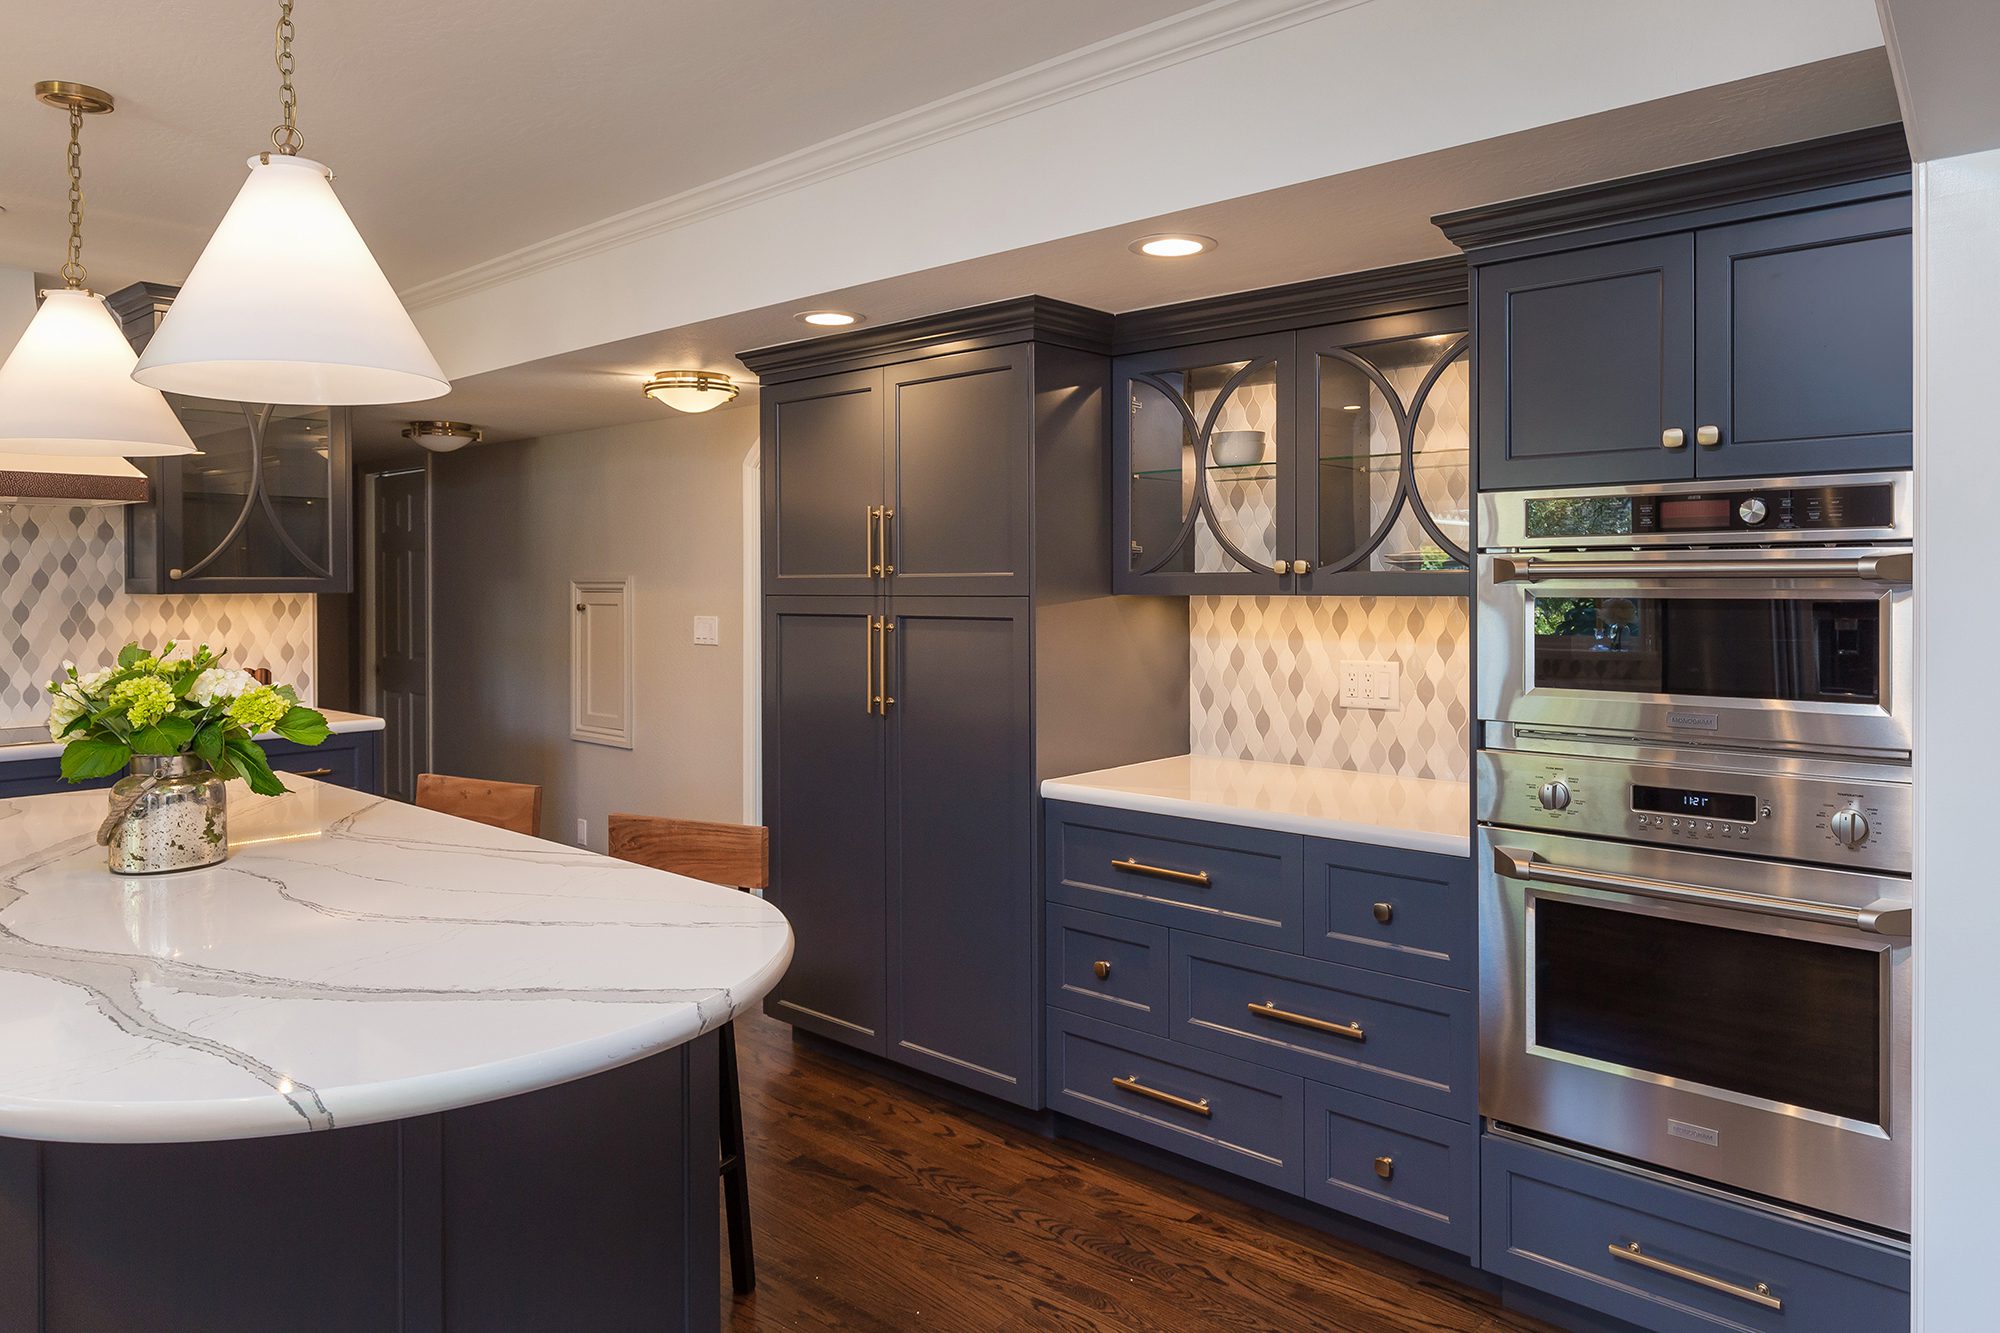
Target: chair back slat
738,855
508,805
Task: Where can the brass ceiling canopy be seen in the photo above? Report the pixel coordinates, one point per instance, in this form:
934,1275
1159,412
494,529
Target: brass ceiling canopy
81,97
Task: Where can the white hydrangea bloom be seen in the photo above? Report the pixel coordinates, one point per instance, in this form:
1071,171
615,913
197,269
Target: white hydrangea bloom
220,683
92,682
63,710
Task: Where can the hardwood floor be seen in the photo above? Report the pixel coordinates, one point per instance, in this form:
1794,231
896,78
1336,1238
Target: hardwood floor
880,1207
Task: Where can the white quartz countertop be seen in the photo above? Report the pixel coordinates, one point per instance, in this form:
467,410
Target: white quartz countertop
1420,814
32,742
354,960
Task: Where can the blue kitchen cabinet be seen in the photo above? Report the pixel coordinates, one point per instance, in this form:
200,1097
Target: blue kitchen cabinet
345,759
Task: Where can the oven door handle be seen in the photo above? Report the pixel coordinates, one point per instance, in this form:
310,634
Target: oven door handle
1883,917
1891,567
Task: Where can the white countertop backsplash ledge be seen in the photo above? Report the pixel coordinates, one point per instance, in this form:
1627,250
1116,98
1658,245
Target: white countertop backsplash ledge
1417,814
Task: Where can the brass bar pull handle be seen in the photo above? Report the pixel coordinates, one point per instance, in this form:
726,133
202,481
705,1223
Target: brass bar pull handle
875,541
888,562
1759,1294
1268,1009
1195,877
1883,917
314,773
1893,567
868,694
1131,1084
887,627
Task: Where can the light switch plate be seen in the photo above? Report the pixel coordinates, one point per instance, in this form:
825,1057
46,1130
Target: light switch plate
707,630
1371,685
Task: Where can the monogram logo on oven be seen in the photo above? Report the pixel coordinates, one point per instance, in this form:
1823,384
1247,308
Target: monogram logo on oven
1681,1129
1692,721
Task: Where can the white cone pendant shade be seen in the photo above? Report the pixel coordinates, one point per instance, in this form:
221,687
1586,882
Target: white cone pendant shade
67,389
286,305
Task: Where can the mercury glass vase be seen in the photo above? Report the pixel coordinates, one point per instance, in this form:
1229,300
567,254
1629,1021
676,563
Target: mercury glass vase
178,816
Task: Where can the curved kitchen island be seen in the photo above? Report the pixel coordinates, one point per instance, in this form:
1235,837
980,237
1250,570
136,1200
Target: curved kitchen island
382,1069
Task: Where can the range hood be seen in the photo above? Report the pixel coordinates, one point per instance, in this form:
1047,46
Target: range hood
55,479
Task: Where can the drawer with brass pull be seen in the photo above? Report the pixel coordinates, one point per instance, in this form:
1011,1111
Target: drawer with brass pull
1240,1117
1406,1170
1237,883
1404,1041
1413,914
1649,1251
1108,967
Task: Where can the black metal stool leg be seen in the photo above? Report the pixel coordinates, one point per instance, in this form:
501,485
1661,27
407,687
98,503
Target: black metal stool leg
735,1170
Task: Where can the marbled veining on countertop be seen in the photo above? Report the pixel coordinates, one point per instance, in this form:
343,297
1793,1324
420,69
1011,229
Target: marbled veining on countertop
355,960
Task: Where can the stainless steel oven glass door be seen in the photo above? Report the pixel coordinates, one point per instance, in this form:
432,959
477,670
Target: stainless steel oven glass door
1795,649
1746,1022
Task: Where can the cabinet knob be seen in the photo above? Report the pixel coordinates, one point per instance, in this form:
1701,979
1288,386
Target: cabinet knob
176,573
1708,436
1384,912
1279,567
580,606
1676,438
1301,566
1100,969
1385,1167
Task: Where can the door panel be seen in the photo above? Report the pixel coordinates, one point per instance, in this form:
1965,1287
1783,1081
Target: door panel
959,488
961,886
1805,342
1587,358
402,628
824,753
822,476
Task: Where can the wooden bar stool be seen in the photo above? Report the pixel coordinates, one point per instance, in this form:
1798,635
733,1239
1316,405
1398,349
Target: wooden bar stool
508,805
737,855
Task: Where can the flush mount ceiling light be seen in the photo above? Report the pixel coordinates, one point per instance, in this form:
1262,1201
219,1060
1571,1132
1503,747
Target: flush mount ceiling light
286,305
828,319
691,390
66,389
441,437
1172,245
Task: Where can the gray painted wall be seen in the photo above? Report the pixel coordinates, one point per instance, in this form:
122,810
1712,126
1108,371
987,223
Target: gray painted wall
660,502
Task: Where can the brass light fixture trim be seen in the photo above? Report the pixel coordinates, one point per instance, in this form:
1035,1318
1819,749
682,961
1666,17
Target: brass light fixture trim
67,96
418,429
665,383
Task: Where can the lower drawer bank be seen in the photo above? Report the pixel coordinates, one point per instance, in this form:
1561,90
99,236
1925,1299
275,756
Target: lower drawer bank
1674,1259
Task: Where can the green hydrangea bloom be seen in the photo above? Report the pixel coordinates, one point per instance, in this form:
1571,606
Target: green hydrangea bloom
259,710
145,699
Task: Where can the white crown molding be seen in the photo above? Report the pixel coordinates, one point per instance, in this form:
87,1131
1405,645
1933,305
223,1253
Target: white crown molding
1198,32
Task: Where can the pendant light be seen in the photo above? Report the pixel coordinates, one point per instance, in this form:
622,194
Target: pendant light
286,304
66,389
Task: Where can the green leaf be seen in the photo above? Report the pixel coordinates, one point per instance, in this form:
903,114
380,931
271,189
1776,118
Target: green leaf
87,757
224,768
248,757
170,735
303,726
129,654
208,743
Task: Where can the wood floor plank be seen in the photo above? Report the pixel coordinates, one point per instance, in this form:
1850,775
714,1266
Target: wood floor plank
879,1208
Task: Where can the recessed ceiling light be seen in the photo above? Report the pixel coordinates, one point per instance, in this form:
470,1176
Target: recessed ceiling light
829,319
1173,245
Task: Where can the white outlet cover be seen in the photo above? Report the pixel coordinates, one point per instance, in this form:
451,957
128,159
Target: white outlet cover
707,630
1371,685
583,833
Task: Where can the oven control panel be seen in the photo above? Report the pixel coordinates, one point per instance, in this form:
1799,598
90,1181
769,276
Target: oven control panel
1827,821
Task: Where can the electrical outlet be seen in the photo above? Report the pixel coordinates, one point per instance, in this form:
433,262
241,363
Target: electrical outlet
707,630
1371,685
583,833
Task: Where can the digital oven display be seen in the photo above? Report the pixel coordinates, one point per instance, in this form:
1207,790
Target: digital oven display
1694,512
1733,806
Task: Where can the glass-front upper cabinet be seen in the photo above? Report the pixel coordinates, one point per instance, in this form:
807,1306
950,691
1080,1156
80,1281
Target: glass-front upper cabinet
1204,443
1385,483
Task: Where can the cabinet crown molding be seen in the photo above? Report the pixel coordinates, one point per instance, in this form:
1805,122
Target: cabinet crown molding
1427,284
1020,319
1839,159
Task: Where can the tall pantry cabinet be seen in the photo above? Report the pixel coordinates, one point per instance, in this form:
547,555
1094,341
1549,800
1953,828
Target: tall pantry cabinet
940,635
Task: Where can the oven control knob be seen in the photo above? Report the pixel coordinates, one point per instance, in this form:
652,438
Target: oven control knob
1752,511
1554,795
1850,827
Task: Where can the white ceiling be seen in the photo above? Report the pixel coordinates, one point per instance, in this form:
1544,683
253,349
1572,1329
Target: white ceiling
461,132
1346,223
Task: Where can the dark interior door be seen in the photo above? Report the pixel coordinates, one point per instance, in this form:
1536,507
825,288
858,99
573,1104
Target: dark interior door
1805,357
959,486
961,828
402,627
823,454
824,756
1586,361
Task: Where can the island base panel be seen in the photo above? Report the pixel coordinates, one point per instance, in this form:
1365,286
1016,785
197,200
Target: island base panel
592,1204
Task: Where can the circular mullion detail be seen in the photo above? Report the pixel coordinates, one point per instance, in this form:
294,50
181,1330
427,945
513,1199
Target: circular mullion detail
1417,401
1404,430
1173,396
1202,505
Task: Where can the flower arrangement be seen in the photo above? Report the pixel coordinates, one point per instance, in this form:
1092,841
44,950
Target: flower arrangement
149,704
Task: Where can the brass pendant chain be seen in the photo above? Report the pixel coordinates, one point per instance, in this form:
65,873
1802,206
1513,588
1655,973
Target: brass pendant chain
286,137
73,273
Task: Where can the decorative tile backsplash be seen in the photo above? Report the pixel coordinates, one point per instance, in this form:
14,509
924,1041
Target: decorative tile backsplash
1265,682
62,595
